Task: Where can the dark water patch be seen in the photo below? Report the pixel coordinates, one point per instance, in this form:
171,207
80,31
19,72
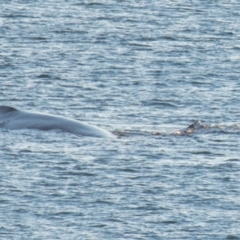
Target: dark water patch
45,76
68,214
103,202
141,46
80,173
158,102
39,39
232,237
169,38
233,160
127,170
71,31
169,222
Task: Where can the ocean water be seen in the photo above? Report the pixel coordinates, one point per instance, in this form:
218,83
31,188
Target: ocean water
134,68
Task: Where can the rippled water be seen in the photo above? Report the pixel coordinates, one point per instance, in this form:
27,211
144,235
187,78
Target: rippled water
133,67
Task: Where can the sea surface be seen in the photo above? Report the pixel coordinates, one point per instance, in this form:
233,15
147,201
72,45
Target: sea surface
141,69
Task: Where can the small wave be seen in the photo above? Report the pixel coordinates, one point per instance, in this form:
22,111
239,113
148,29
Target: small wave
157,102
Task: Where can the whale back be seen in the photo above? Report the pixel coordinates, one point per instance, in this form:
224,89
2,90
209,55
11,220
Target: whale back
6,109
12,118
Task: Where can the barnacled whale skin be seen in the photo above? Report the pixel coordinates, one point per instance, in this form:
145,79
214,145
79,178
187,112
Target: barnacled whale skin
11,118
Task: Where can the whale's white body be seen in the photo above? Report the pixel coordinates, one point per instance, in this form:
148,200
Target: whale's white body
11,118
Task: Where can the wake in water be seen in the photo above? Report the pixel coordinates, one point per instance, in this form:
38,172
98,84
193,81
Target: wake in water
195,128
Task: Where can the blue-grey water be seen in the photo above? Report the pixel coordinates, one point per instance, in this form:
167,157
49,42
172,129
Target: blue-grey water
131,67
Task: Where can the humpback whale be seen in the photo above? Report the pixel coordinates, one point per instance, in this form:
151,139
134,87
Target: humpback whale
186,131
12,118
190,129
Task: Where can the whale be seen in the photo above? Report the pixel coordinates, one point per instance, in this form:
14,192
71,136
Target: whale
197,125
14,119
190,129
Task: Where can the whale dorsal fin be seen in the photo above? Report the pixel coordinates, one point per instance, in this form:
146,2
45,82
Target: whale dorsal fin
197,124
190,129
6,109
